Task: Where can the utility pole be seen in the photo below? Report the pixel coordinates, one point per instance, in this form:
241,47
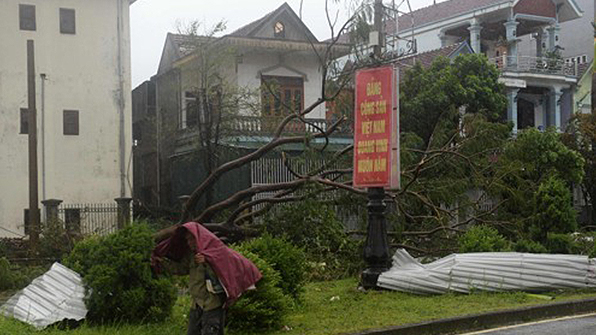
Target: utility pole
376,249
32,130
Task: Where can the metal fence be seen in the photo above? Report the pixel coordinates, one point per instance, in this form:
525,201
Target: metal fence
267,171
90,219
538,65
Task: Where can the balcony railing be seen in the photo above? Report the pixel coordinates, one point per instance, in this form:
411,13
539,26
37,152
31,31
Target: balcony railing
268,124
538,65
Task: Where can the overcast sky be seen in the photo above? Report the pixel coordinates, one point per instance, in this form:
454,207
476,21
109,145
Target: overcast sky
151,20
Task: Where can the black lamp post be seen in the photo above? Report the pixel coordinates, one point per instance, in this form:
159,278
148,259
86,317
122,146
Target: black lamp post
376,249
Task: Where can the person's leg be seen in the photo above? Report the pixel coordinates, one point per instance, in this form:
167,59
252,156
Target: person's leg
194,321
213,322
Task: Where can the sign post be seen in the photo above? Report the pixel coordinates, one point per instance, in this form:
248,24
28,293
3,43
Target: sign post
376,159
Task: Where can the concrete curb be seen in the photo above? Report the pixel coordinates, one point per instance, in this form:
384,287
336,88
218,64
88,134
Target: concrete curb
476,322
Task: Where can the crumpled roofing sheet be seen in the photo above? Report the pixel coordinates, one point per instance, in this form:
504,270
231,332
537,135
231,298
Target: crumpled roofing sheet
495,271
52,297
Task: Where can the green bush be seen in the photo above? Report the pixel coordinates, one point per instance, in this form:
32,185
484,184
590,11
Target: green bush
3,248
264,308
529,246
116,271
554,211
561,244
17,277
7,278
55,242
314,227
593,252
285,258
584,243
482,239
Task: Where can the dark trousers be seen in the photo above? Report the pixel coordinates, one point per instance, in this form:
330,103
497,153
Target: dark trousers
206,323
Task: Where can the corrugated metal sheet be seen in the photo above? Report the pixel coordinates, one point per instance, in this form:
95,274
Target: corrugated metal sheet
54,296
505,271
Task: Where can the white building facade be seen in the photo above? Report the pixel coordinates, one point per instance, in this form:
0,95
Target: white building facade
520,37
82,65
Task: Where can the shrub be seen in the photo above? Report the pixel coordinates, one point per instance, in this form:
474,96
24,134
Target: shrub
285,258
7,279
561,244
3,248
554,211
593,252
116,271
584,243
314,227
261,309
482,239
529,246
17,277
55,241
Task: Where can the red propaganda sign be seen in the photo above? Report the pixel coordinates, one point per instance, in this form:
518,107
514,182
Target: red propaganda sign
376,129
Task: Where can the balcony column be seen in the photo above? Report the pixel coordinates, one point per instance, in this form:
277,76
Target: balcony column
554,113
553,36
540,38
511,34
443,39
475,29
512,107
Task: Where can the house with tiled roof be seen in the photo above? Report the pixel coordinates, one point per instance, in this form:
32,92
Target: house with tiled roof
520,37
426,58
276,48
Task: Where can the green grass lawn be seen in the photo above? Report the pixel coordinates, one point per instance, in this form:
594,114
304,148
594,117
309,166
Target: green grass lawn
337,307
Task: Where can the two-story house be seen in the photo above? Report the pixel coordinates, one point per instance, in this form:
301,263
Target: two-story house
82,65
277,50
524,38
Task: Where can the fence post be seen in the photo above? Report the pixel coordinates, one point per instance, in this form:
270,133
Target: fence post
123,211
51,208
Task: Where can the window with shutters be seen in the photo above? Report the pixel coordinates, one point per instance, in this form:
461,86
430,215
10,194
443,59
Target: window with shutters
67,21
71,122
24,118
27,17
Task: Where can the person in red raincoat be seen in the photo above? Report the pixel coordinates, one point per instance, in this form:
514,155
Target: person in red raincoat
218,275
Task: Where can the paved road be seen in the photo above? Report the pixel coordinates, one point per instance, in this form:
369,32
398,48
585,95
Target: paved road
582,325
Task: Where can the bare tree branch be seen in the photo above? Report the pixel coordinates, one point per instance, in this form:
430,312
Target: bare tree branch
241,195
234,164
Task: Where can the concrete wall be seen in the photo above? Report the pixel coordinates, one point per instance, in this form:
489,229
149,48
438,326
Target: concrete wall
83,73
301,62
577,35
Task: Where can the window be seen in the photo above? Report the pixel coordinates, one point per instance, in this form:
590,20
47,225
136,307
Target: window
276,90
24,121
71,122
67,21
188,117
27,17
584,59
279,30
201,106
